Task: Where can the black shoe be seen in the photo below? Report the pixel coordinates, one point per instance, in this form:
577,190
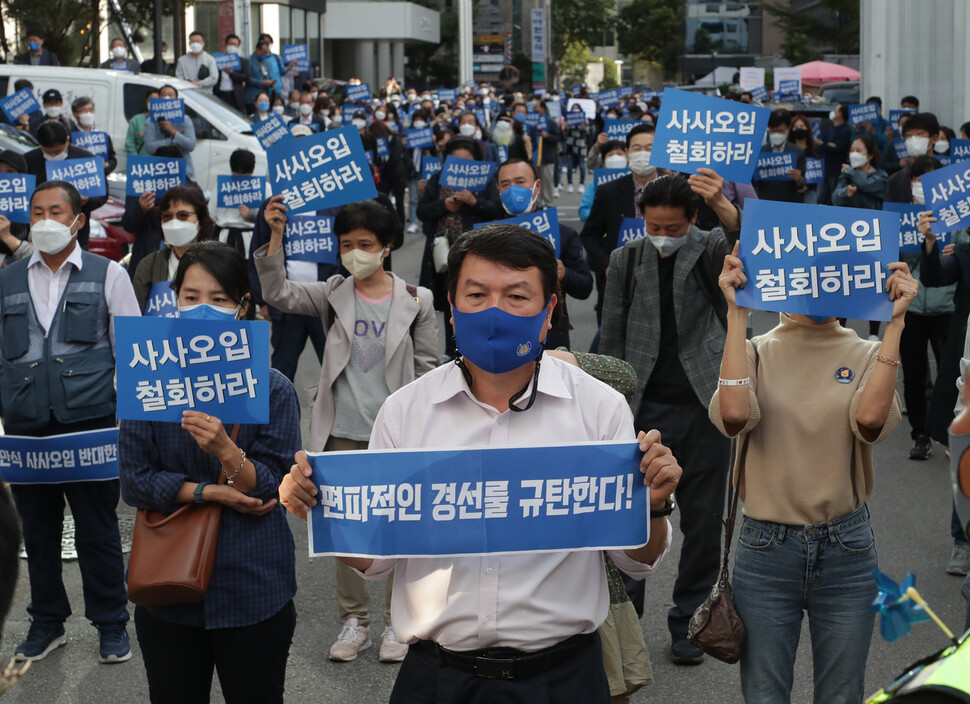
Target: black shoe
682,652
922,449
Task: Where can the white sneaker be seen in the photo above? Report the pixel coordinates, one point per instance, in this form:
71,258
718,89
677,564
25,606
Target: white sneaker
352,640
391,649
874,338
555,192
412,228
570,189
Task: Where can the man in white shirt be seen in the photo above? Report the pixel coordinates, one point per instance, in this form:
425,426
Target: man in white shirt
198,66
505,627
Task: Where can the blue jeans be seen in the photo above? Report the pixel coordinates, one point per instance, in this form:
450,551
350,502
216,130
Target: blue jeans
782,572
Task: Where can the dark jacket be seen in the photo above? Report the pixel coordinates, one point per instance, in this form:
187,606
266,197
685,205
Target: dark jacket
316,123
577,282
550,143
870,189
900,187
39,117
145,227
111,162
786,191
37,165
47,58
239,79
130,65
834,157
612,203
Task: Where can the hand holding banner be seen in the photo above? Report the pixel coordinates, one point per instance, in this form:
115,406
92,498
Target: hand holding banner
169,109
466,174
233,191
774,166
23,102
153,174
947,194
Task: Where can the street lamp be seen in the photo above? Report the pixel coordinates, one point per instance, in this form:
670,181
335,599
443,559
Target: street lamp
619,71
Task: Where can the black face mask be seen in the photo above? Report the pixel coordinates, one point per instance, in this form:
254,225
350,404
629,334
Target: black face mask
800,134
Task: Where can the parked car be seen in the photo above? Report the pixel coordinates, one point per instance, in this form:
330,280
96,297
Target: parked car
840,92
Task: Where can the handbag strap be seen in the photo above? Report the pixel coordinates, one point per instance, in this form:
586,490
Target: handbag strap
234,435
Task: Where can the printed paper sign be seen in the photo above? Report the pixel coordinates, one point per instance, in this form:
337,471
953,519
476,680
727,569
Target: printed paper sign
271,130
420,138
774,166
543,222
788,80
466,174
162,301
320,171
631,230
759,94
153,174
94,141
910,238
170,109
234,191
863,112
55,459
86,174
478,501
23,102
358,93
702,131
15,192
299,53
310,238
814,172
618,129
601,176
228,61
947,194
170,365
817,259
751,77
430,165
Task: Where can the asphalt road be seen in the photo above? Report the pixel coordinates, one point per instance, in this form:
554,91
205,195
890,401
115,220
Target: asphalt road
910,515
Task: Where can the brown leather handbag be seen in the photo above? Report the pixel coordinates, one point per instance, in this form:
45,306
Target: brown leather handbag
172,556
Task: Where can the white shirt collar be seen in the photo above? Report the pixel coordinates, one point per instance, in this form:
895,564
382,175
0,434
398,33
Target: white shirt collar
73,258
550,383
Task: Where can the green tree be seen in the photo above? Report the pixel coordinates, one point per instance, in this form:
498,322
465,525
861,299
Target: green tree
653,30
435,64
835,26
609,75
574,64
582,21
798,48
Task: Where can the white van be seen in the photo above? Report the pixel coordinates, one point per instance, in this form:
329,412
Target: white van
119,95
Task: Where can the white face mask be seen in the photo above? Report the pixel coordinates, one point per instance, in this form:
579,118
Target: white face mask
195,47
380,115
52,110
86,119
640,163
325,112
313,96
941,146
419,124
119,52
306,109
917,188
777,138
857,160
50,236
483,92
358,123
467,130
232,49
360,263
294,105
615,161
832,115
917,146
279,109
57,157
667,245
502,134
179,233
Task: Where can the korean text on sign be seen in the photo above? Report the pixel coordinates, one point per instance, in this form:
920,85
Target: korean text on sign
575,118
910,238
601,176
94,141
75,457
358,93
299,53
618,129
420,138
414,503
310,238
170,109
631,230
430,165
446,95
947,193
15,191
544,223
814,172
960,149
863,112
320,171
695,131
23,102
162,301
817,260
153,174
466,174
271,130
774,166
233,191
229,61
86,174
894,116
170,365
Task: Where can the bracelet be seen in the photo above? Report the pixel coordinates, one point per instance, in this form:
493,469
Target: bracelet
886,360
197,494
734,382
242,461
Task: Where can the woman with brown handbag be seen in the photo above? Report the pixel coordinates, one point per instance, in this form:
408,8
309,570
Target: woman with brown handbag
244,623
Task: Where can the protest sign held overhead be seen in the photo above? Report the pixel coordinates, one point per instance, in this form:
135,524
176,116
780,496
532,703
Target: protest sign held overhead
94,141
168,109
774,166
543,222
271,130
54,459
233,191
153,173
947,193
86,174
310,238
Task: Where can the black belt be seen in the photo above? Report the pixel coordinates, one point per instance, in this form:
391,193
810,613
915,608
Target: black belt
506,663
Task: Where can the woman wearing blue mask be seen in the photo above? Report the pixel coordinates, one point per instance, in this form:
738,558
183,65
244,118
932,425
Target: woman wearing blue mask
262,107
244,626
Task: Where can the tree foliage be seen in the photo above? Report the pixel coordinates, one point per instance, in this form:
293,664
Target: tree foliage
798,48
609,75
575,63
835,27
653,30
580,21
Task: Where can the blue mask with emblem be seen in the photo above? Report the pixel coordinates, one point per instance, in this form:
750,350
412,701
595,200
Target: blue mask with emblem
517,199
496,341
818,318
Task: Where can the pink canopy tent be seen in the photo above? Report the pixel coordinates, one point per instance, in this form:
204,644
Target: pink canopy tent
818,72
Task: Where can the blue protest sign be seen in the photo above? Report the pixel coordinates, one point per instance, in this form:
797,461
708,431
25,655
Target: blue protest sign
320,171
774,166
601,176
789,86
702,131
894,116
759,94
947,194
631,229
430,165
382,151
170,365
814,171
358,93
424,503
575,118
863,112
780,97
15,192
945,160
23,102
54,459
960,149
503,152
816,126
299,53
153,173
233,191
466,174
608,98
910,238
171,109
420,138
86,174
447,95
227,61
94,141
536,120
543,222
271,130
618,129
479,115
310,238
162,301
817,259
899,145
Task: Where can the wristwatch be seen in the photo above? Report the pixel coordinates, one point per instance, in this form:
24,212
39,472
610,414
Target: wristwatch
668,509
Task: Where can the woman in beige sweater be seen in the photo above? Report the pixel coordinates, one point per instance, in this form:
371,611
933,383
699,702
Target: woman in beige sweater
810,399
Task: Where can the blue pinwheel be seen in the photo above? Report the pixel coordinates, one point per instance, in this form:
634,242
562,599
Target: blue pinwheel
898,610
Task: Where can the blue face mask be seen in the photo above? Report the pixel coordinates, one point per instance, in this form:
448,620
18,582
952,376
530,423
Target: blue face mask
262,106
819,318
496,341
33,46
519,116
204,311
517,199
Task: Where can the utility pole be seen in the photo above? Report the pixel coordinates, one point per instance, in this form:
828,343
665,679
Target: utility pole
464,41
157,36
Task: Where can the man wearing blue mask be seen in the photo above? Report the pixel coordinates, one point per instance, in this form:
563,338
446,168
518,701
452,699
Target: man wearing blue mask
504,627
36,54
519,186
664,314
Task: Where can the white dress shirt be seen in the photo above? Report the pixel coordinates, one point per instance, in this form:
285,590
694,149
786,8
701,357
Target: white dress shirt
528,601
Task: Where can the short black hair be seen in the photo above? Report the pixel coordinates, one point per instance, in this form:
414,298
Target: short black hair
193,196
226,265
22,83
79,103
196,33
922,121
843,111
671,192
645,128
779,117
513,161
169,85
874,99
870,144
366,215
35,32
609,146
923,165
466,143
965,129
52,133
261,43
242,161
10,537
232,36
911,99
70,192
170,151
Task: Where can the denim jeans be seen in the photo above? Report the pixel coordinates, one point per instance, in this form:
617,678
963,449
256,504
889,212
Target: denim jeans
824,570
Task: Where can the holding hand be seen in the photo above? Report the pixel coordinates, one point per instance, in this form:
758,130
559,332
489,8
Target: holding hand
902,288
659,467
146,201
732,276
297,491
275,216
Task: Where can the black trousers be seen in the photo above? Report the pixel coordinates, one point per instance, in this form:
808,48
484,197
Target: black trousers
288,336
250,660
582,678
920,330
704,455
